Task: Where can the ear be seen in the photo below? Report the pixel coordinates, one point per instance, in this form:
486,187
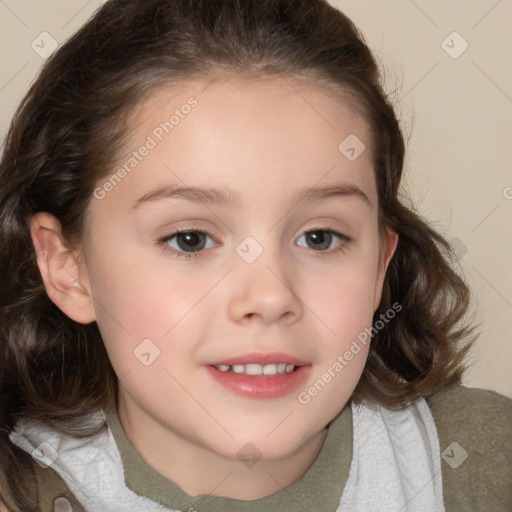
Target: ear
60,269
389,246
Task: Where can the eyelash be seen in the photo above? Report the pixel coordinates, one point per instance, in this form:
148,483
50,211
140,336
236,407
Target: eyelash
345,242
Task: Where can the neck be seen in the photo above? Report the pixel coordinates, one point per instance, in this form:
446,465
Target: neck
197,470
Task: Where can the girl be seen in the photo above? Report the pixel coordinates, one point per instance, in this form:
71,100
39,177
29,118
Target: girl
213,297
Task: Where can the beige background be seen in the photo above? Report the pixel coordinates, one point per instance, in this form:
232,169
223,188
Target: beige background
459,160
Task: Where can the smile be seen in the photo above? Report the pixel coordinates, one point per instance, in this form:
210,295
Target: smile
259,381
258,369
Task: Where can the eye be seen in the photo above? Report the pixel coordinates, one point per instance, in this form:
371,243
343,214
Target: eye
187,241
322,238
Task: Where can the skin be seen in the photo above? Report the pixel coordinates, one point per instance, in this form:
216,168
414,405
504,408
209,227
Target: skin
265,141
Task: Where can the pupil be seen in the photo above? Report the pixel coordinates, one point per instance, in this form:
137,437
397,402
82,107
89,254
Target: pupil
191,239
320,236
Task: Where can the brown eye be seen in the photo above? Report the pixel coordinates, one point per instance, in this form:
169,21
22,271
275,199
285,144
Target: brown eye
320,240
187,243
190,241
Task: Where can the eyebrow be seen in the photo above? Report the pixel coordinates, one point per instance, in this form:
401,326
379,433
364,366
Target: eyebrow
229,198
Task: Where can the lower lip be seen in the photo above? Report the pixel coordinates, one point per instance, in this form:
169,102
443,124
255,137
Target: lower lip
261,386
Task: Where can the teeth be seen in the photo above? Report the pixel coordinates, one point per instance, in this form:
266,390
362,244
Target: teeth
270,369
253,369
258,369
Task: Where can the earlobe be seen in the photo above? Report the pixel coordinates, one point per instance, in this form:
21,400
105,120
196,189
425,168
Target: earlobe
60,269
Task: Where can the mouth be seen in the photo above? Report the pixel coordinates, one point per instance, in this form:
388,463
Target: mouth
260,375
261,364
267,370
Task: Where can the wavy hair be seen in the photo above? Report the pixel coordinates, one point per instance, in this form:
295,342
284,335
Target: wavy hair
64,139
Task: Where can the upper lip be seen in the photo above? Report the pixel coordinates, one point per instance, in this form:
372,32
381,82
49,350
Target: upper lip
262,358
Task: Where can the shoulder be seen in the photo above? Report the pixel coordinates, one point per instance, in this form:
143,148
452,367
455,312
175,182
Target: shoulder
474,428
474,406
53,492
480,417
49,491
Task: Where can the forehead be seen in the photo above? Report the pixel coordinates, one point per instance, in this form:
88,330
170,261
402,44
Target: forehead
269,103
244,134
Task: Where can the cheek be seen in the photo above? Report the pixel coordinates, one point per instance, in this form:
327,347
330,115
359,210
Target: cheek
345,309
343,300
133,293
143,309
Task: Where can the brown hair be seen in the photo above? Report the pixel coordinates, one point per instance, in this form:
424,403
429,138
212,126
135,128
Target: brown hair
66,134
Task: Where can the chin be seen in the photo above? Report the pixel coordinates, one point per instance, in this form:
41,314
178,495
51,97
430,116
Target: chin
254,448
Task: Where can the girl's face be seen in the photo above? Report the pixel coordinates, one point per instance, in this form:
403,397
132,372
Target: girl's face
245,282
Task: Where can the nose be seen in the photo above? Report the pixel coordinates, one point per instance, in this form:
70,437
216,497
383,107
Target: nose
265,292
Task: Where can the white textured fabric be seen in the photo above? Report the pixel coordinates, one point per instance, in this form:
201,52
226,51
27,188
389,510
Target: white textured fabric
395,466
396,463
92,468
